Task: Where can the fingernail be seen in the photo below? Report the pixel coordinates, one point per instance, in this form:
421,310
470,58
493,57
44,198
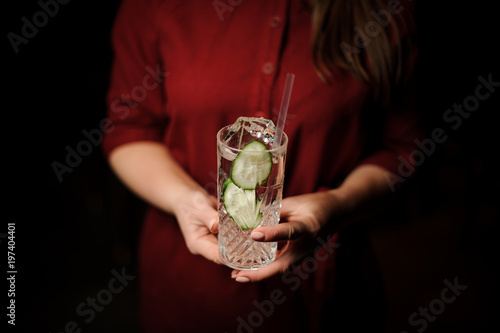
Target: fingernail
234,275
242,279
257,235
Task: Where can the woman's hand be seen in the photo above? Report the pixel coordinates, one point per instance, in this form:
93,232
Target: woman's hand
364,192
197,217
303,217
149,169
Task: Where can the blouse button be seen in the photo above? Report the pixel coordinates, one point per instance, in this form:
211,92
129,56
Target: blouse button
268,68
275,21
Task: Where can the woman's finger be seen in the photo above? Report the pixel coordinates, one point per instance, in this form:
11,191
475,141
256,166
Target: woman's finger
210,218
280,265
280,232
207,247
288,205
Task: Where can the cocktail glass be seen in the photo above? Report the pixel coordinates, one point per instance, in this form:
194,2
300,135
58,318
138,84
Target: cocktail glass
250,186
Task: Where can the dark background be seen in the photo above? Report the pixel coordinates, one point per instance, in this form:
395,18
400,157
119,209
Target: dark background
71,234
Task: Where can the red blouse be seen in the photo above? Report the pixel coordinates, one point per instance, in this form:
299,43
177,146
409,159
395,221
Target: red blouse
184,69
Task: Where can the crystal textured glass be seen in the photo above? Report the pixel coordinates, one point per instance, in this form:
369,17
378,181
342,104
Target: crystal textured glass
236,248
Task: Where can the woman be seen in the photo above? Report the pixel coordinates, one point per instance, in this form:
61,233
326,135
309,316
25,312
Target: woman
184,69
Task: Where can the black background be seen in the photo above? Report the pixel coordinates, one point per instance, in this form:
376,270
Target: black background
71,234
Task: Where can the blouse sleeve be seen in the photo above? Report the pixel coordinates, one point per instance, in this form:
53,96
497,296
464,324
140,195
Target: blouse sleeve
135,98
397,151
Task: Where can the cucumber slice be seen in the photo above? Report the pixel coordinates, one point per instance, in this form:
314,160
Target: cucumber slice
242,207
225,184
252,165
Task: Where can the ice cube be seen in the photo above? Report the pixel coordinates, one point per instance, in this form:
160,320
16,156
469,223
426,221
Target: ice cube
246,129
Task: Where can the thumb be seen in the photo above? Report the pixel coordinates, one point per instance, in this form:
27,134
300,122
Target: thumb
205,208
280,232
214,226
212,221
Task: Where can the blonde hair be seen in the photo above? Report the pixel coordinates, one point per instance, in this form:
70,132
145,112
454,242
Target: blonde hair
365,38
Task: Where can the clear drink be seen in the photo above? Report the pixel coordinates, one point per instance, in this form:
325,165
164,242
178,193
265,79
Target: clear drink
250,186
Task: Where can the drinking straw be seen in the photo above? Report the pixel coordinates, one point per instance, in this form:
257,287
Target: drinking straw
285,100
